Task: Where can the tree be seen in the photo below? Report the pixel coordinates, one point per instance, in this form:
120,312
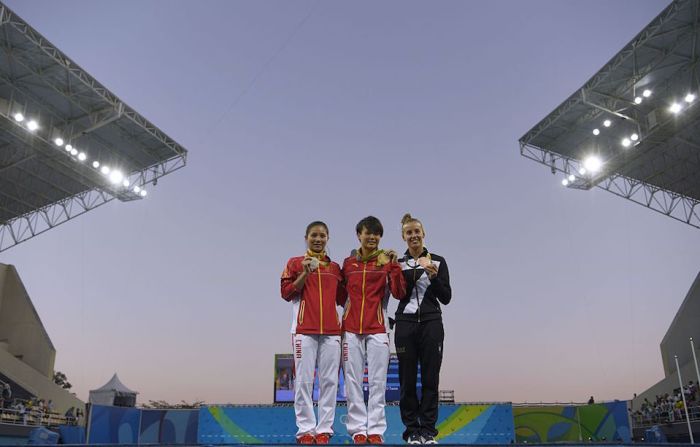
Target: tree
61,380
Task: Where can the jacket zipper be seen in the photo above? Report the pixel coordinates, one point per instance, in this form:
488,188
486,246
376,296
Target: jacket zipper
416,289
362,309
320,296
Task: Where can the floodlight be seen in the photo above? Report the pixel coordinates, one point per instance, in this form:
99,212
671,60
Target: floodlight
126,183
572,177
634,137
675,108
607,123
582,170
646,93
689,98
626,142
638,100
58,141
565,182
592,163
137,189
95,164
596,131
69,147
74,152
19,117
82,156
116,177
32,125
105,170
143,193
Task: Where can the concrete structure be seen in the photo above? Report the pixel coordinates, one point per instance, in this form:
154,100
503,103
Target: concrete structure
26,352
686,324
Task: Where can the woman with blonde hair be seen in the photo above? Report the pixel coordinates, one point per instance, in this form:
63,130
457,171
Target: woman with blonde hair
419,333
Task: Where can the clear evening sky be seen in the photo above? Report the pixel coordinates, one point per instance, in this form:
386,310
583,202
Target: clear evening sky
296,111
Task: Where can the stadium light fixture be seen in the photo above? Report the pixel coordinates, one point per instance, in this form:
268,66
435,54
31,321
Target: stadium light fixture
74,152
646,93
565,182
116,176
19,117
82,156
126,183
572,177
69,147
638,100
143,193
58,141
634,137
607,123
592,164
582,170
626,142
689,98
105,170
32,125
95,164
675,108
137,189
596,132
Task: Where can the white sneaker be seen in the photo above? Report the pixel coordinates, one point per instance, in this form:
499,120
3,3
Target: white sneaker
427,439
415,439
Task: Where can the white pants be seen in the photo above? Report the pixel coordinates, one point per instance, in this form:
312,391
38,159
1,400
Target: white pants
308,349
374,348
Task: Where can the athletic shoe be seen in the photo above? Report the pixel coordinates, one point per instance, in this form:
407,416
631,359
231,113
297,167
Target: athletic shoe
359,438
323,438
306,438
427,439
415,438
375,439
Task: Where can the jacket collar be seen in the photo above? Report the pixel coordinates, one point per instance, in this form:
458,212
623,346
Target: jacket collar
423,253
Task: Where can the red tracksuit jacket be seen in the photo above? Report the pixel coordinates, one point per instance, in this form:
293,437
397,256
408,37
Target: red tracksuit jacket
314,312
366,286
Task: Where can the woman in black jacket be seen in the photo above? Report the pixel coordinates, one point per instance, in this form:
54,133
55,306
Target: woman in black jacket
419,334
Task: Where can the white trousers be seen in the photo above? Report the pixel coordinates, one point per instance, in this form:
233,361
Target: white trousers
374,348
307,350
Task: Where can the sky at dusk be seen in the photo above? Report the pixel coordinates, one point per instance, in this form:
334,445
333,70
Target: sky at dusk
294,111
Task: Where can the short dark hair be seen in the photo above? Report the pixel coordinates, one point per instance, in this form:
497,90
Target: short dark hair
372,224
316,223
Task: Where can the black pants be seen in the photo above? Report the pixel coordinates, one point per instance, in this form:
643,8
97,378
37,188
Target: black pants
419,343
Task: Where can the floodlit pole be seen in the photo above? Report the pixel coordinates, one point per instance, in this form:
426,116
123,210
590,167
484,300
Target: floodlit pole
685,405
695,360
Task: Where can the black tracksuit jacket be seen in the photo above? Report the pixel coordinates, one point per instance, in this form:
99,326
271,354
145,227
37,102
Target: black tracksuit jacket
418,338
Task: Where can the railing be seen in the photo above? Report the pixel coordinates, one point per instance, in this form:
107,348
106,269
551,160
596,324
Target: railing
34,417
664,414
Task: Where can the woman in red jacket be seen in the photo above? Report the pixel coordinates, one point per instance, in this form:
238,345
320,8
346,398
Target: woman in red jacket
313,283
369,274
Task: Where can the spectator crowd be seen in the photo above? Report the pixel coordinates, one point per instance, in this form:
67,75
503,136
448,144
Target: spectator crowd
666,408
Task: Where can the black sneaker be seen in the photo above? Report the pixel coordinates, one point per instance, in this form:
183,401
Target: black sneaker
415,438
427,439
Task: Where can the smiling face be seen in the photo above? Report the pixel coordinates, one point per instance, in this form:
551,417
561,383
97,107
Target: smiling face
317,238
413,234
369,241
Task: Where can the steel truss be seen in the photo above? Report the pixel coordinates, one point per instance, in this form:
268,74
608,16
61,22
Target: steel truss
42,187
32,224
661,171
669,203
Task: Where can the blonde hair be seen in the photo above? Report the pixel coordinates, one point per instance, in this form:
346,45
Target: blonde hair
407,219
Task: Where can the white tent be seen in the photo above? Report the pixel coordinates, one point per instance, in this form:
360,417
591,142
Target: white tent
113,393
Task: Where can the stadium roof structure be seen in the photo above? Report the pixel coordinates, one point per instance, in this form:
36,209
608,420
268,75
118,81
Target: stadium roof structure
67,144
634,128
